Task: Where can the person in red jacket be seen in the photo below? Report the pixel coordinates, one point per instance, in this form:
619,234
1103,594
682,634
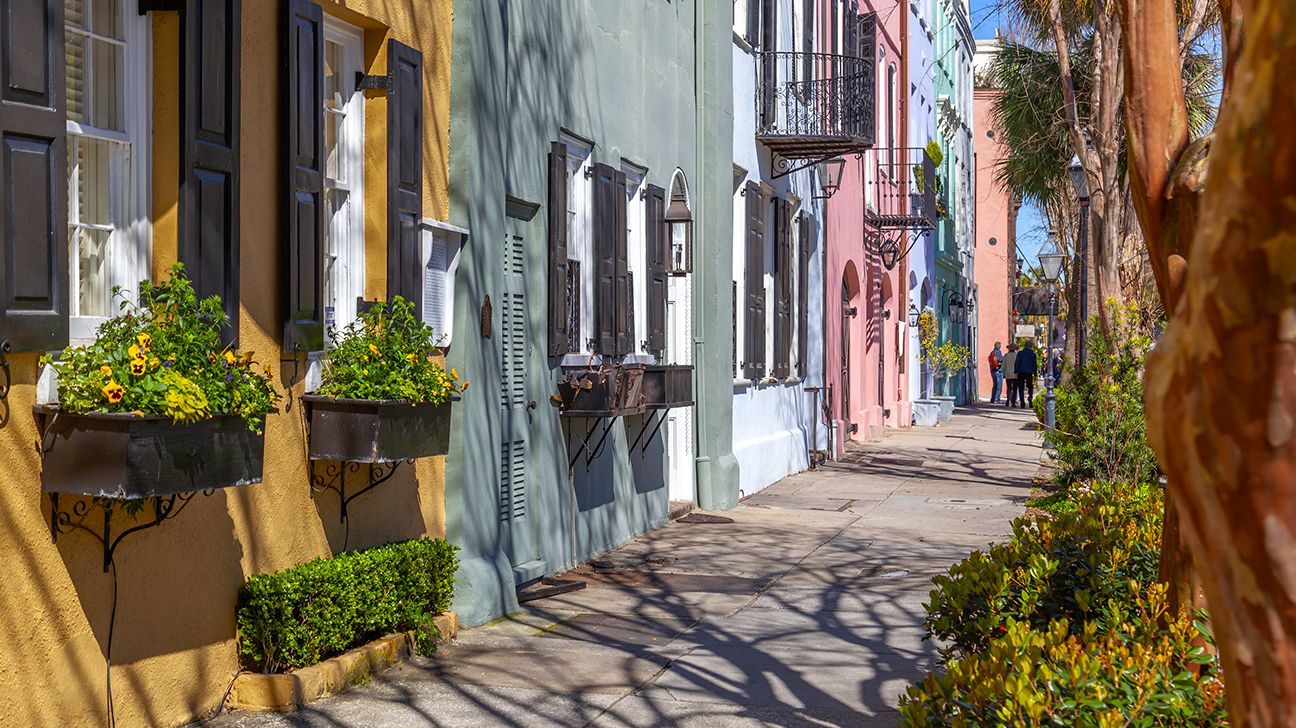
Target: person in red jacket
996,373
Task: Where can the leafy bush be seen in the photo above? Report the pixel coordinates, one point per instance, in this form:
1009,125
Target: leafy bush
162,355
1073,566
1038,405
1056,503
1149,668
321,608
387,354
1101,433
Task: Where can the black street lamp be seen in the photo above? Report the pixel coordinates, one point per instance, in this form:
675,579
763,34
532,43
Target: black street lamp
1081,185
1051,265
913,314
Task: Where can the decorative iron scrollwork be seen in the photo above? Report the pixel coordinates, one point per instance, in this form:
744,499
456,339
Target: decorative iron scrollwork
77,518
333,477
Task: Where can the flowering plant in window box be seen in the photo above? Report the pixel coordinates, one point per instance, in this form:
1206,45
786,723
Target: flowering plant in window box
155,404
384,395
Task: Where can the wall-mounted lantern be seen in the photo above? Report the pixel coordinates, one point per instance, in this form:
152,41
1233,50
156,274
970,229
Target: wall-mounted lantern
679,229
829,173
913,315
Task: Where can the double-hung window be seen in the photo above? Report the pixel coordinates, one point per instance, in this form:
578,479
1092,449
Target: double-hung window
108,97
343,108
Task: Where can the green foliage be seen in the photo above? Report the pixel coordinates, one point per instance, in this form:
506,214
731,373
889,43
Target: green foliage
1074,567
1149,667
162,355
321,608
933,150
1057,504
1038,406
387,354
1101,433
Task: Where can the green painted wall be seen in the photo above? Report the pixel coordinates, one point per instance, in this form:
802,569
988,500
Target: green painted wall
627,76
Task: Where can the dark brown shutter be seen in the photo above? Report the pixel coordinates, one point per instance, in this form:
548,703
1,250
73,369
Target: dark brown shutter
304,146
624,285
782,288
209,152
769,60
404,172
33,169
803,297
754,21
866,42
605,255
558,303
658,252
754,329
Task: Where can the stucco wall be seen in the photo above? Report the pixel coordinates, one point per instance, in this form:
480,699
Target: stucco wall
920,278
993,262
174,640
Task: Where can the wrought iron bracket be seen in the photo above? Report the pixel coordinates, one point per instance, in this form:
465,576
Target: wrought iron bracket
643,450
591,454
333,477
782,166
77,518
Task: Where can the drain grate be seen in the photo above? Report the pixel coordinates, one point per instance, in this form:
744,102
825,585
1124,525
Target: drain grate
672,581
903,462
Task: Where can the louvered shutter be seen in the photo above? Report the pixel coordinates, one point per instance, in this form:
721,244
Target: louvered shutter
658,251
304,147
558,303
33,169
624,284
769,61
754,328
866,42
404,172
782,288
606,193
209,152
803,297
754,21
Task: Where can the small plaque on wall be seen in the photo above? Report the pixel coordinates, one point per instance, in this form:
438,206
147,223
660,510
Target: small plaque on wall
487,316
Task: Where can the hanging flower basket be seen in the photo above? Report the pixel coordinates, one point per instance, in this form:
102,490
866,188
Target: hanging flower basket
614,391
138,456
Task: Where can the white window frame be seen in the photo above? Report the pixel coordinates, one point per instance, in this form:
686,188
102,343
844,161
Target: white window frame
345,232
130,245
580,241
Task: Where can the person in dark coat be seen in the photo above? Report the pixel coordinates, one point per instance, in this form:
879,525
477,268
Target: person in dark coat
1026,366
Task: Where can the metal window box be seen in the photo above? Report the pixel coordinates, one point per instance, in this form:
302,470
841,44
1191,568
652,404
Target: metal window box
615,391
140,456
666,386
375,431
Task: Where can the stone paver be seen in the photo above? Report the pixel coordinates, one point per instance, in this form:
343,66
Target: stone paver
821,624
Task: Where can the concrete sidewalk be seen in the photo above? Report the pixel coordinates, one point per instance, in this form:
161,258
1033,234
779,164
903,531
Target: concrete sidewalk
805,610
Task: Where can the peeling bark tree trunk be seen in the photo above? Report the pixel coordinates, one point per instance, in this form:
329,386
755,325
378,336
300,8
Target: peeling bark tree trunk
1222,383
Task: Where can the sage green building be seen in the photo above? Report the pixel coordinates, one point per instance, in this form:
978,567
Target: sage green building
577,127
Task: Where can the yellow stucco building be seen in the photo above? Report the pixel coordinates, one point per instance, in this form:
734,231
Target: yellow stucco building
139,132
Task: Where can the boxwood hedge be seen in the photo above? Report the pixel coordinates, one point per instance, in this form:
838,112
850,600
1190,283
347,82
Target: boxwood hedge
321,608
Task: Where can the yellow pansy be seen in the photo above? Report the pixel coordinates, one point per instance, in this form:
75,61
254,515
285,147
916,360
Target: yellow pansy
463,387
106,370
410,358
230,359
247,357
113,392
454,373
153,362
375,351
364,371
137,366
134,351
144,341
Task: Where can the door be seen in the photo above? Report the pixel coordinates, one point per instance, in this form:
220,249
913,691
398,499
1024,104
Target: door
680,455
847,314
514,503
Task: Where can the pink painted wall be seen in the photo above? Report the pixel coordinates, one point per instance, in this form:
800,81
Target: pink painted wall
993,220
877,295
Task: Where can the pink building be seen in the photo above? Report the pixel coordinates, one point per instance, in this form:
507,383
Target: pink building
865,306
996,227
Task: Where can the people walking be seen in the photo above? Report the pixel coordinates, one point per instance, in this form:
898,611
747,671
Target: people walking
996,374
1026,367
1010,373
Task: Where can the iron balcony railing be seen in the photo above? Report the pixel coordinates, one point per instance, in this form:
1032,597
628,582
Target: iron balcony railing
907,191
815,104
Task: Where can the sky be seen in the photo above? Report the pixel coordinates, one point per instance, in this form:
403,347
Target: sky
1031,230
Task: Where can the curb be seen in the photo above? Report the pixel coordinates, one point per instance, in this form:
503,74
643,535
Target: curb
282,692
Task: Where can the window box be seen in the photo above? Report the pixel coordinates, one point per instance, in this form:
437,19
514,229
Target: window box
375,431
140,456
614,391
668,385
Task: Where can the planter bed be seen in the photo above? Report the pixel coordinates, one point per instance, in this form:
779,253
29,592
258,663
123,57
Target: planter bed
668,385
289,691
138,456
610,392
375,431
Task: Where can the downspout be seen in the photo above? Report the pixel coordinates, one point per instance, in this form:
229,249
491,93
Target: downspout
701,462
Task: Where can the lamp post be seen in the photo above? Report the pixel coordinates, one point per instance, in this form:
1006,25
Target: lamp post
1076,171
1051,263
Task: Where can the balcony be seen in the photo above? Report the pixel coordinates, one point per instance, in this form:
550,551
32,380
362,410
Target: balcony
905,195
811,106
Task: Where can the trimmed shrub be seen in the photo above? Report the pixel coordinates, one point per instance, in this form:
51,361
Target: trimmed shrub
1150,668
321,608
1070,567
